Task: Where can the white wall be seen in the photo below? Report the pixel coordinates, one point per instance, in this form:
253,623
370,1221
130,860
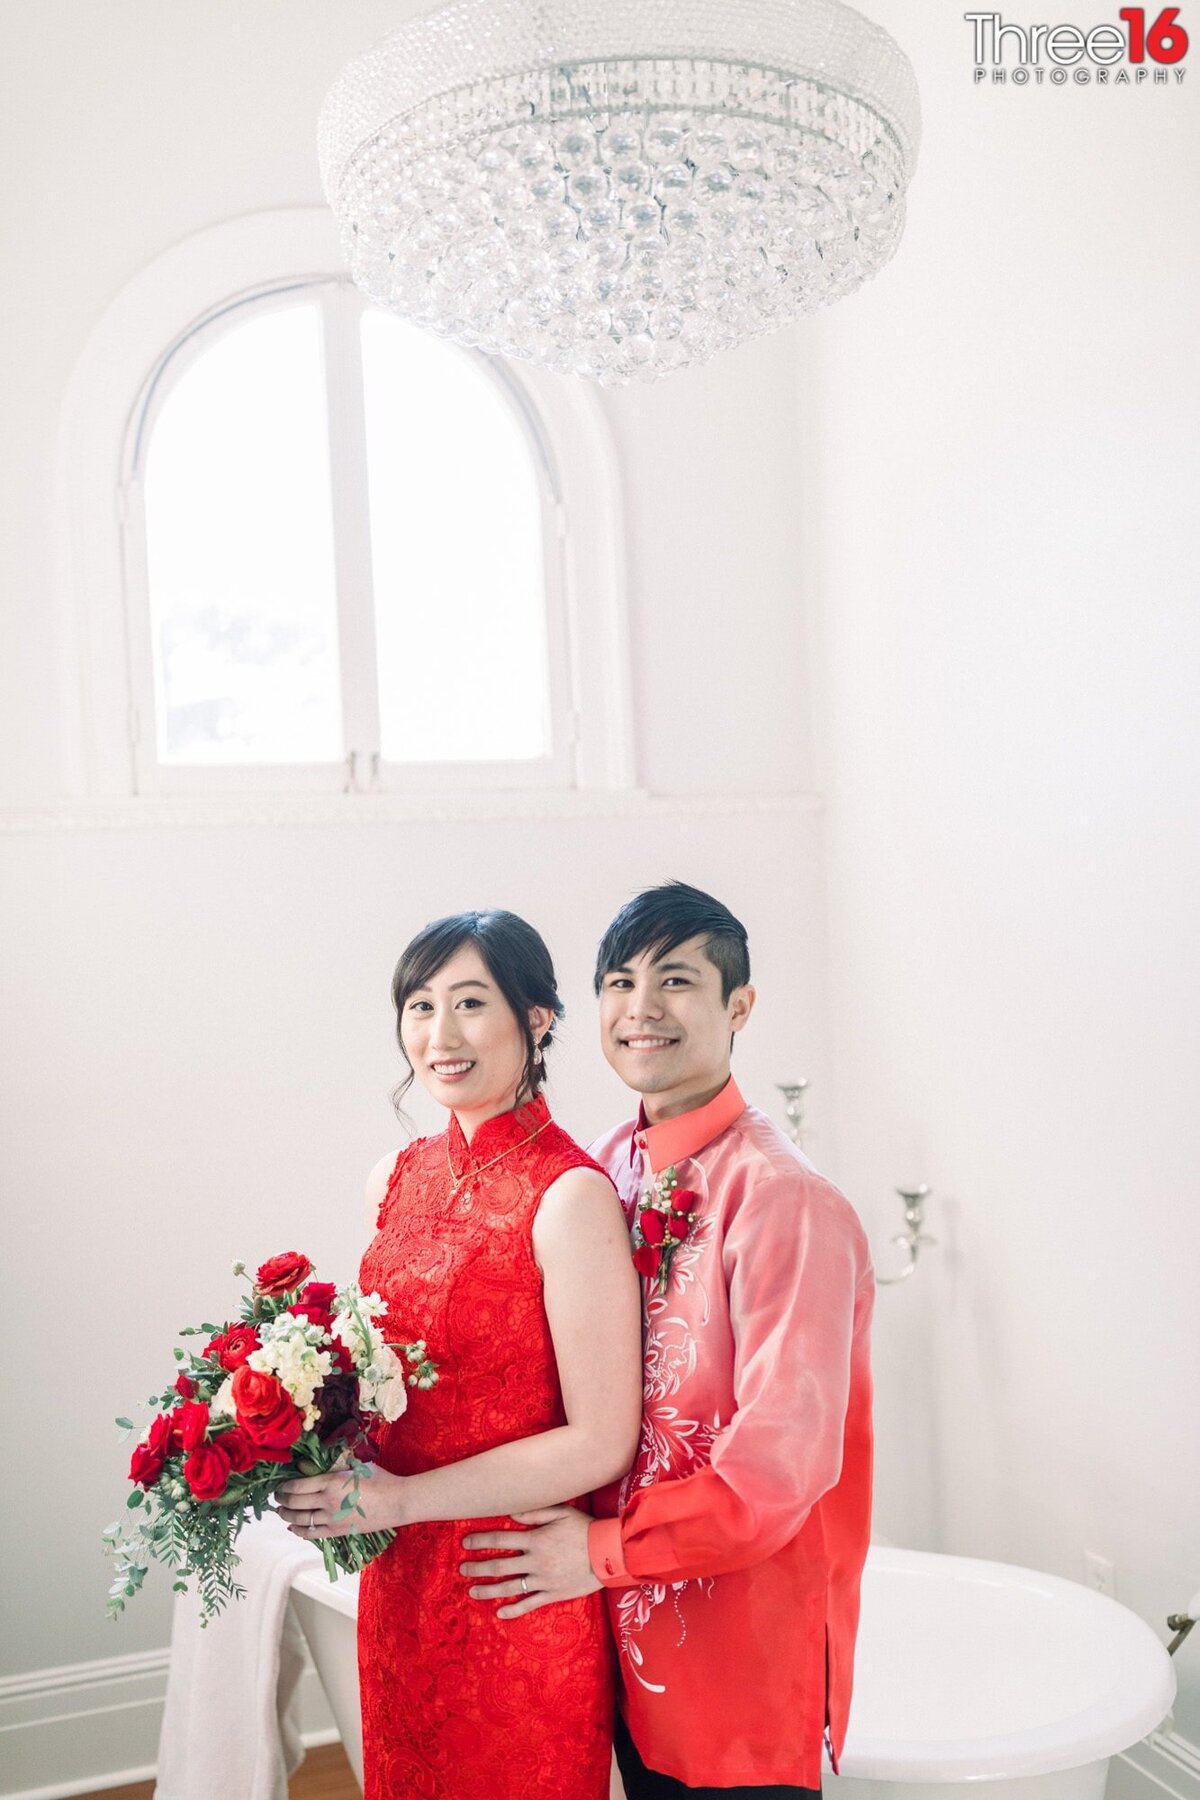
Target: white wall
134,124
979,472
198,1035
1002,464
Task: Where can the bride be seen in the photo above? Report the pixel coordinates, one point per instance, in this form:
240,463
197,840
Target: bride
504,1246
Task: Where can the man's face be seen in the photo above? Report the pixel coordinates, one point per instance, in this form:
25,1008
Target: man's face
665,1028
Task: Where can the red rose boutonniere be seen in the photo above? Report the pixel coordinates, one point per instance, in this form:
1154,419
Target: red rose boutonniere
665,1214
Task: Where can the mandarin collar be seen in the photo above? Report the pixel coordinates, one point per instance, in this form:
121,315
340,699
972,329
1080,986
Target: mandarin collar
503,1132
676,1139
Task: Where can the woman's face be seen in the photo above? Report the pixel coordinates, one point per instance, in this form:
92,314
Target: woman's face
463,1039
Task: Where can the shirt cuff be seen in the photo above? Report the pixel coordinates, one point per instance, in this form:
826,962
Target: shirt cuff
606,1555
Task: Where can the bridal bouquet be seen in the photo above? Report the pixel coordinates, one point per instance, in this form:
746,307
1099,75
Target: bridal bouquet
290,1388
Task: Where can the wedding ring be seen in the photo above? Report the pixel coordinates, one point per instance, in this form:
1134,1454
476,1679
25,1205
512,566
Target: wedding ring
524,1585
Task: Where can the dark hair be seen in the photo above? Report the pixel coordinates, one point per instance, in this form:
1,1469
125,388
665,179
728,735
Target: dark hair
517,960
661,918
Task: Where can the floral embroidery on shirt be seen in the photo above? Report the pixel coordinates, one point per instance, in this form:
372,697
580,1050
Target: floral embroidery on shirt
671,1445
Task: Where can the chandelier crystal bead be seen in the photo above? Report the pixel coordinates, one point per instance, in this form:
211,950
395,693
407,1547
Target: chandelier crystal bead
618,188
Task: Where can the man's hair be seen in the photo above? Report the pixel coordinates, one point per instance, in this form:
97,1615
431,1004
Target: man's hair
661,918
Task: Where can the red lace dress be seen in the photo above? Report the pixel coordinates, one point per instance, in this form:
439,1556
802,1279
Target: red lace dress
456,1703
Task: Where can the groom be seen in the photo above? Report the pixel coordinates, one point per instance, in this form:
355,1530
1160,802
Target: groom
733,1549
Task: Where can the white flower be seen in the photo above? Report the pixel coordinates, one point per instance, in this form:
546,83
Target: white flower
372,1306
291,1352
391,1399
361,1343
286,1326
222,1400
382,1387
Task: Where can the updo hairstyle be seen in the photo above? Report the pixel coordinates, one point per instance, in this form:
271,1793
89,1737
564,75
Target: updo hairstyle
515,957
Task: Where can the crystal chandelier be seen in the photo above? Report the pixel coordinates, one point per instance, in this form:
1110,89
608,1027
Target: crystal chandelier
617,188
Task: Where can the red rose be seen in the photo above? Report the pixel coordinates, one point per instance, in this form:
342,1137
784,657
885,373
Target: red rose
276,1453
646,1259
280,1274
206,1471
232,1347
150,1457
320,1294
266,1411
239,1449
146,1465
189,1422
684,1200
678,1226
162,1431
315,1315
654,1226
185,1385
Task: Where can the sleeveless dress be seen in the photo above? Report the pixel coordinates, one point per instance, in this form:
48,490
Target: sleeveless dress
456,1703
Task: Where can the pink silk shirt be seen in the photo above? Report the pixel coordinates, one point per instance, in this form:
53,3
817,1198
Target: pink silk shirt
733,1549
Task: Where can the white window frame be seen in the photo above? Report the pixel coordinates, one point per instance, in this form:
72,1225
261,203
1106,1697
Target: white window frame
161,321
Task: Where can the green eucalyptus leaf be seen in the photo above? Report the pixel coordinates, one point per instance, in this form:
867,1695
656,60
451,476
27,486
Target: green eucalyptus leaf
126,1424
135,1499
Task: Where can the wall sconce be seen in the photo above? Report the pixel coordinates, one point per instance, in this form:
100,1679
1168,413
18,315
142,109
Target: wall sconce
793,1095
912,1239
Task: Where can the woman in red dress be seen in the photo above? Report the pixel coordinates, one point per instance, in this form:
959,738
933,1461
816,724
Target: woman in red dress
504,1246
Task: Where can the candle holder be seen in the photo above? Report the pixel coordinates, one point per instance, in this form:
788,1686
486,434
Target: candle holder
793,1095
912,1238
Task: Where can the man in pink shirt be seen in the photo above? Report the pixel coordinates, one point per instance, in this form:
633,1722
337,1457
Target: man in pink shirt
733,1550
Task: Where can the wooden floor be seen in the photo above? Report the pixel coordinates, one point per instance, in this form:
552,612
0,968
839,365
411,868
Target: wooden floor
323,1775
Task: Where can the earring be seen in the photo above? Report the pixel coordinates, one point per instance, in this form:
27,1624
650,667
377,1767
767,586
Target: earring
537,1055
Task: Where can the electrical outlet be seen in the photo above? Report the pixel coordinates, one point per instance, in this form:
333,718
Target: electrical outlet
1100,1574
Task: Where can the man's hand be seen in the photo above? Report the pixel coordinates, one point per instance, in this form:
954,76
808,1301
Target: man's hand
543,1566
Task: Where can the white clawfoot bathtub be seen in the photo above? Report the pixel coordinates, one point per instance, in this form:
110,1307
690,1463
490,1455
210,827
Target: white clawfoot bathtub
972,1671
965,1672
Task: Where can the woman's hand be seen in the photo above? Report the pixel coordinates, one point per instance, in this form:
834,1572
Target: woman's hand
309,1505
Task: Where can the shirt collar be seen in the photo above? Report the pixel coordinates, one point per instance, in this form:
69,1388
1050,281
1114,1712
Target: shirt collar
675,1139
503,1132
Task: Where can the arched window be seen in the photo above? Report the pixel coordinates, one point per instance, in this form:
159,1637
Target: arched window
352,556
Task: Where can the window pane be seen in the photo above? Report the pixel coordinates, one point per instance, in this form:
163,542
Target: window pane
456,543
239,547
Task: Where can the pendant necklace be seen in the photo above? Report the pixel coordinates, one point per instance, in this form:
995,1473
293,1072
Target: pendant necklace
467,1201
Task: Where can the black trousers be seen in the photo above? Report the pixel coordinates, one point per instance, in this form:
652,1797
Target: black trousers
642,1783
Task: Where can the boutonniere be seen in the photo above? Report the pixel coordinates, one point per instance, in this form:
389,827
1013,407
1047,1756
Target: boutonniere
665,1213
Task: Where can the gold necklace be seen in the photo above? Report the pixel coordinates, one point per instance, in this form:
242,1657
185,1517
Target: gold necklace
466,1202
